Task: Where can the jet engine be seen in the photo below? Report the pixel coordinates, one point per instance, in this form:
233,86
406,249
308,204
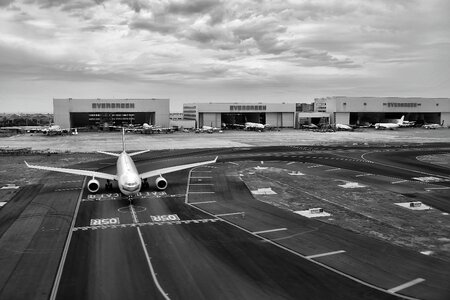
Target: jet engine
93,185
161,183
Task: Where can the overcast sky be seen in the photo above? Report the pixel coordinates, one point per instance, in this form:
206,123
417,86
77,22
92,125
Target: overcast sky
220,51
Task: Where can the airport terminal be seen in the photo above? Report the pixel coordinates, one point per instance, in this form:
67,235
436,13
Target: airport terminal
72,113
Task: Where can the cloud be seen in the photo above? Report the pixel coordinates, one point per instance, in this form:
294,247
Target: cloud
278,43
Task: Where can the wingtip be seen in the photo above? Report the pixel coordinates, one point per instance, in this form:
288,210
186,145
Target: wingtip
215,160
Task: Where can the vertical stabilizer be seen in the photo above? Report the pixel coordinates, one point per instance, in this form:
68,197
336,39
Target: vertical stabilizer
123,139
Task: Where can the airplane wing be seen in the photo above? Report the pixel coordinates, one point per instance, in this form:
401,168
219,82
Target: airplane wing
174,169
75,172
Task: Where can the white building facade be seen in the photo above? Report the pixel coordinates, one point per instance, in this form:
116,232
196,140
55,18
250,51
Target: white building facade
217,114
358,110
71,113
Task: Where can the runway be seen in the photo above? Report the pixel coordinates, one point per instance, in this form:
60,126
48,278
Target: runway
207,237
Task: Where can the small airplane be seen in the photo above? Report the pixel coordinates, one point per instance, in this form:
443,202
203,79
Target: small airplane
127,176
433,126
210,129
254,126
309,126
390,125
343,127
54,129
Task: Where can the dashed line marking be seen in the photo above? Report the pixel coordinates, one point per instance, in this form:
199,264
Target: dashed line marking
230,214
363,175
205,177
400,181
406,285
203,202
202,184
325,254
68,189
201,192
335,169
270,230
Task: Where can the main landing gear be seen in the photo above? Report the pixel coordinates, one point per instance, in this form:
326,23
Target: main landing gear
108,185
145,183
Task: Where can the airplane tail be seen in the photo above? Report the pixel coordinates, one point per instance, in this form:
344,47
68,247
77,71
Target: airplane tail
401,120
123,147
123,139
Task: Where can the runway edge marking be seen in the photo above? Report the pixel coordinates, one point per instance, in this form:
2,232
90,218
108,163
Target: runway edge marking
66,246
294,252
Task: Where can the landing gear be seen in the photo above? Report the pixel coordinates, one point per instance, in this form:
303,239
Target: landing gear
108,185
145,183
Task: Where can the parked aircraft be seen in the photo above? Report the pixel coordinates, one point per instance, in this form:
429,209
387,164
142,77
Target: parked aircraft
54,129
211,129
309,126
433,126
390,125
254,126
343,127
128,179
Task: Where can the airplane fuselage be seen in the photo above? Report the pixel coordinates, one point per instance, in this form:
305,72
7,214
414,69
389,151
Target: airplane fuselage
128,178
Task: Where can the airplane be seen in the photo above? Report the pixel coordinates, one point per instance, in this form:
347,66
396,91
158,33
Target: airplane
408,124
128,179
343,127
433,126
210,129
254,126
54,129
390,125
309,126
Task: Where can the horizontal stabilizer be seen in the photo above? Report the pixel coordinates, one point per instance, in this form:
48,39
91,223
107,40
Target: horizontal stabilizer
109,153
139,152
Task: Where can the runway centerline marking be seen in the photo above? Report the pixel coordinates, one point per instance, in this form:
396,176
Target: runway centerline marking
204,177
270,230
202,184
325,254
147,256
406,285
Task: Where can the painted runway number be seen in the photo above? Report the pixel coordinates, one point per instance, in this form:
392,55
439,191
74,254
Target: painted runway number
165,218
102,222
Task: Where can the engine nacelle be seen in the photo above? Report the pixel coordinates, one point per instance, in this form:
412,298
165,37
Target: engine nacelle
161,183
93,185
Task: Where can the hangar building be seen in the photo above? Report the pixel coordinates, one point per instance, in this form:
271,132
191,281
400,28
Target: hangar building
216,114
71,113
359,110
